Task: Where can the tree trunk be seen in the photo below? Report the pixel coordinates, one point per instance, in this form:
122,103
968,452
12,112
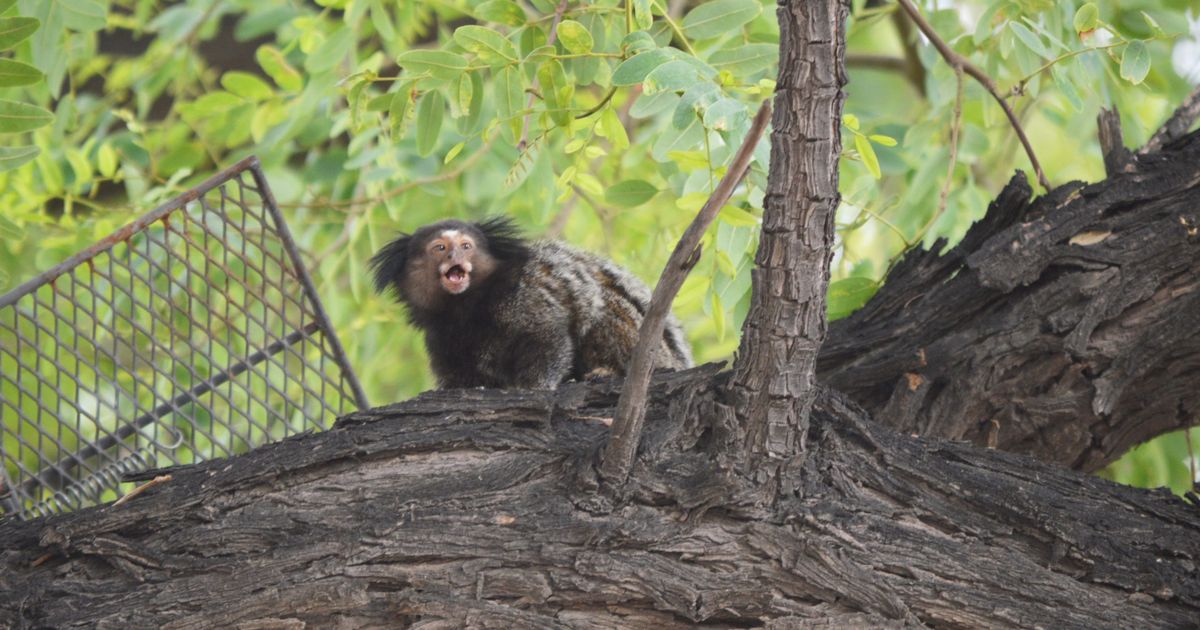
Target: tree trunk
476,508
484,508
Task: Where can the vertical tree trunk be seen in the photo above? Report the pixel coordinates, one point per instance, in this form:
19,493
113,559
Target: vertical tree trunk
773,386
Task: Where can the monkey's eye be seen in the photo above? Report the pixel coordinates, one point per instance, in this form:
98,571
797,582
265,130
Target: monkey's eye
440,247
466,246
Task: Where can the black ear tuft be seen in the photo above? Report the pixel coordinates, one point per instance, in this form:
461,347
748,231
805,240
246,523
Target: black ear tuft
388,263
503,238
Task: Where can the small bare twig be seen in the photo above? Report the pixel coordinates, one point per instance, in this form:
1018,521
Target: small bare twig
631,406
553,37
959,62
161,479
1177,125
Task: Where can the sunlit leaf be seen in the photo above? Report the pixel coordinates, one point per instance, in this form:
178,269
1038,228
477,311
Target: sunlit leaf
442,64
1135,62
575,37
489,45
16,117
276,66
722,16
848,294
636,68
14,30
14,157
867,153
500,11
430,112
630,193
13,73
1087,18
745,59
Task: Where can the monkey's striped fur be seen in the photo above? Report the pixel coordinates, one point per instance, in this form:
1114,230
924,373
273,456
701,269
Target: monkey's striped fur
498,311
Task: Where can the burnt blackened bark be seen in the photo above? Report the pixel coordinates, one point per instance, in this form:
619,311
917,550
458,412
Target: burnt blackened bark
1065,327
473,509
773,385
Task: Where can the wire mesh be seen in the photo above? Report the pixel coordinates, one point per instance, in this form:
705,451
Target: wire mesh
194,332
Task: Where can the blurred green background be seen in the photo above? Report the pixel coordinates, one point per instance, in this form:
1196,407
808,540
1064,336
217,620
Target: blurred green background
373,117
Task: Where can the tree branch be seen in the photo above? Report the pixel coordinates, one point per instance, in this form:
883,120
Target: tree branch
774,383
631,407
1112,142
958,61
1177,125
550,39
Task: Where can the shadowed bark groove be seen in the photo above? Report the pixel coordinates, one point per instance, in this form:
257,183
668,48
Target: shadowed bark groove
1064,328
473,509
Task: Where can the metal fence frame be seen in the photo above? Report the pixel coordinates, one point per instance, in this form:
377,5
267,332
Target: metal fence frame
20,492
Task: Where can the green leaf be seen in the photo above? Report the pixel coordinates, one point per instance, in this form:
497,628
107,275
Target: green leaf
746,59
83,15
716,18
556,91
276,66
738,217
630,193
438,63
106,160
13,73
848,294
1135,62
1152,23
430,112
17,117
509,91
983,28
464,92
637,42
453,152
850,120
883,140
725,114
674,75
331,52
472,110
6,5
695,100
246,85
867,153
575,37
1033,42
1087,18
14,157
399,108
14,30
501,12
635,69
718,312
490,46
609,126
643,18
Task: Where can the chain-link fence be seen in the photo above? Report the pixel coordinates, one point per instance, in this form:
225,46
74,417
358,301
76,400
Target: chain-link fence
194,332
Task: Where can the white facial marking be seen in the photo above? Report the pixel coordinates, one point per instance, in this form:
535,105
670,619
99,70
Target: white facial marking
450,234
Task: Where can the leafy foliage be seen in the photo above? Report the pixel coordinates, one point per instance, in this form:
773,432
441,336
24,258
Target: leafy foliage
605,123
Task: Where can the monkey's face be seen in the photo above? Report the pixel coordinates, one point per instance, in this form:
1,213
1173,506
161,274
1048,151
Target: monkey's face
457,258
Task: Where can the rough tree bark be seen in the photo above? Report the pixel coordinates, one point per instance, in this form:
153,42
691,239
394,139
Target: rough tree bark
482,508
1063,327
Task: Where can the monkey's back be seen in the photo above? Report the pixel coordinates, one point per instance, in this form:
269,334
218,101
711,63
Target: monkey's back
600,303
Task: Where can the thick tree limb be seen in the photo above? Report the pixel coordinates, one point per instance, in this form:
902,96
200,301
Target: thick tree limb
1064,328
1177,125
631,407
960,62
773,384
474,509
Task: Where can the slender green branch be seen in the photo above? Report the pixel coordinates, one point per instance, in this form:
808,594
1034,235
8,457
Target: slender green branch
675,29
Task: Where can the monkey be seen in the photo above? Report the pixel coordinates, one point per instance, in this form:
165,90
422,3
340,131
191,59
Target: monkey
499,311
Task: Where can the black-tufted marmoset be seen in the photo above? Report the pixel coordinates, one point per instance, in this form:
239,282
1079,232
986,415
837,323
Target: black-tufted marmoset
499,311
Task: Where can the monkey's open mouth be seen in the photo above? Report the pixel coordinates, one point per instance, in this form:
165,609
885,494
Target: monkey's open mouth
456,279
